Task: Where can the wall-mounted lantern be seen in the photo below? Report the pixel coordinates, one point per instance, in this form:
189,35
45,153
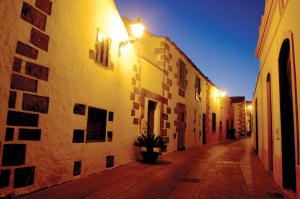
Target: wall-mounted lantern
136,31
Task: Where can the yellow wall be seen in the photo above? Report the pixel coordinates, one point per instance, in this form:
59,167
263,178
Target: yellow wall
278,23
145,70
73,78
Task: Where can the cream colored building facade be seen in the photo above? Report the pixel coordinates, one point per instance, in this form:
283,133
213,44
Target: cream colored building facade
74,100
275,100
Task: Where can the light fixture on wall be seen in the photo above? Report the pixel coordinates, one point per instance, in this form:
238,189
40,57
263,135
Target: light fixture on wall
219,94
136,31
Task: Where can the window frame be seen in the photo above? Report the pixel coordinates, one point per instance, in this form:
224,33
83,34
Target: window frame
94,134
102,49
197,88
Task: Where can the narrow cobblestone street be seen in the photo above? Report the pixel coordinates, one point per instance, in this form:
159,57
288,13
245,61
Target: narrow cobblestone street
229,170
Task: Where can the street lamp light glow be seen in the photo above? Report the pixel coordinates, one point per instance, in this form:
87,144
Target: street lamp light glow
250,107
223,94
137,29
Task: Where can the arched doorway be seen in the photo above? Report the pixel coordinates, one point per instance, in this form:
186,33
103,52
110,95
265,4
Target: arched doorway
287,117
270,128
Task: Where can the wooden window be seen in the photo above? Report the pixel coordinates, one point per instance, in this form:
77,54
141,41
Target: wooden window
96,125
182,74
102,48
213,122
197,88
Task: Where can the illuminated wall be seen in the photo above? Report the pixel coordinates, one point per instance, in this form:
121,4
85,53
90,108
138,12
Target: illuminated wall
65,74
275,102
160,81
50,80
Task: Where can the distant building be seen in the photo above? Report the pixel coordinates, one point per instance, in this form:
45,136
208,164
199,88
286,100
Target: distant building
75,93
238,113
275,100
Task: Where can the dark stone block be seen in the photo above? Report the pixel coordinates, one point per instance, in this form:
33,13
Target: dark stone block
35,103
12,99
164,116
30,134
38,71
168,125
136,106
39,39
17,64
13,154
4,178
44,5
78,136
111,116
24,177
26,50
33,16
15,118
9,134
135,121
23,83
109,136
169,110
92,54
79,109
110,161
77,168
163,132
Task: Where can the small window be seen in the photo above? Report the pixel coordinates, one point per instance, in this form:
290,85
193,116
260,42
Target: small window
182,74
102,48
197,88
96,125
213,122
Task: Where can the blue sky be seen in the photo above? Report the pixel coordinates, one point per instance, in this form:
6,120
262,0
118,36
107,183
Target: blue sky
218,36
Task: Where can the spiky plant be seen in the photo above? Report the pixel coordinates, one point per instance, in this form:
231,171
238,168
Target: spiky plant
150,142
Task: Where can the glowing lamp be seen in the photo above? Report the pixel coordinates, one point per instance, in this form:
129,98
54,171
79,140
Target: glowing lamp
223,94
137,29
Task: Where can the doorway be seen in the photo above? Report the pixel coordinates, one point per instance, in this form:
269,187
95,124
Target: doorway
204,128
287,118
151,117
270,128
227,128
181,127
256,128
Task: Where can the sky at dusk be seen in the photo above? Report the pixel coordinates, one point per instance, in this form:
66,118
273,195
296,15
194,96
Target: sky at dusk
218,36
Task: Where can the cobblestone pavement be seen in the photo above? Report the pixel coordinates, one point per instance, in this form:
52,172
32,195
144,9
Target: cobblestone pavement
229,170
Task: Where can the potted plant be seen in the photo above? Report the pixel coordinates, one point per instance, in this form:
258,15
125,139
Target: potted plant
150,142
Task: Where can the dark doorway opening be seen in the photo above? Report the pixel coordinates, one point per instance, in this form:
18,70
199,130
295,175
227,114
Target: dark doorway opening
151,116
204,128
181,127
270,128
287,118
227,128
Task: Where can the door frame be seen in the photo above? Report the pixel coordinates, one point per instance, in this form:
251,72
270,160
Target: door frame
181,109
